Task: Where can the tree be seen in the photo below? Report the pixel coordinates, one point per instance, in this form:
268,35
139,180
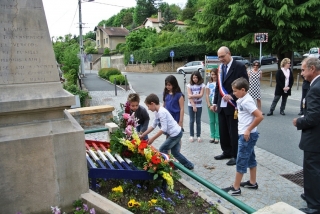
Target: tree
145,9
290,24
91,35
136,38
168,23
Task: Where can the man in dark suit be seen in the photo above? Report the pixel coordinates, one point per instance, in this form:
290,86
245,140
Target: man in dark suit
225,104
310,135
305,88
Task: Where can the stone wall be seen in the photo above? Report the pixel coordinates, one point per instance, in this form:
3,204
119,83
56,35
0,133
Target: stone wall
160,67
92,117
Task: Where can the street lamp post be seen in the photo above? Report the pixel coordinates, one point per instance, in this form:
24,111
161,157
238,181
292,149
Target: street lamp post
81,39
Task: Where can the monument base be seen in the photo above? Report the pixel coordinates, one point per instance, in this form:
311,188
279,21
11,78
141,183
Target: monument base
42,164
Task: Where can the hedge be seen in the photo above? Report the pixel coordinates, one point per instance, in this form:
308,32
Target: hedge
105,73
162,54
120,79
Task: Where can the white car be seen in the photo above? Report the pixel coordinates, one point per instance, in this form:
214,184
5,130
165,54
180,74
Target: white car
191,67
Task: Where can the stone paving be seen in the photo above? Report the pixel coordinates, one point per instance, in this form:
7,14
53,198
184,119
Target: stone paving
272,187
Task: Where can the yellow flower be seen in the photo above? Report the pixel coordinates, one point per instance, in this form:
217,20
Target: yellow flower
152,202
148,153
117,189
168,178
135,136
133,203
109,150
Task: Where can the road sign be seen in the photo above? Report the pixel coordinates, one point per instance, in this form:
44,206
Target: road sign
261,37
172,53
210,66
212,58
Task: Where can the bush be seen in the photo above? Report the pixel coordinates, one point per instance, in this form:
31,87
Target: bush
71,77
73,89
120,79
106,52
105,73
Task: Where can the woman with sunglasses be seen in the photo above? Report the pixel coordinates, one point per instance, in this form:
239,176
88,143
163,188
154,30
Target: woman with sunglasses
255,75
284,82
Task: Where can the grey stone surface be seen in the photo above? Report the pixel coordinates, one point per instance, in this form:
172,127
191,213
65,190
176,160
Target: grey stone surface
273,188
42,157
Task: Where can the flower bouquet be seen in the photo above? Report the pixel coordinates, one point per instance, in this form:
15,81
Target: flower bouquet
126,142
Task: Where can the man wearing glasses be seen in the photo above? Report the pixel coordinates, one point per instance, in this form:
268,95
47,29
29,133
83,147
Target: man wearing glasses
225,104
310,135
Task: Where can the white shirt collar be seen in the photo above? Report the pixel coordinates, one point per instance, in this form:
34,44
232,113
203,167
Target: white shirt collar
314,79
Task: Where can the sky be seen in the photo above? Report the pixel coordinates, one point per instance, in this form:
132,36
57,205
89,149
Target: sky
63,15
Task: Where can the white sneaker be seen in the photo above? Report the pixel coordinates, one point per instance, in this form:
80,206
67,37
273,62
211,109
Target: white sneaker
191,139
199,140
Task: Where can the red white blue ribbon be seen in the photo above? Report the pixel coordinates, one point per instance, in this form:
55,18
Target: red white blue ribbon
222,90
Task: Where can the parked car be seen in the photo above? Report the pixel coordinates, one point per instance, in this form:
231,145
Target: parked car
313,52
241,59
265,60
297,58
191,67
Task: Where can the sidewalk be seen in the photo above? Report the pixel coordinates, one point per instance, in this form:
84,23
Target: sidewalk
273,188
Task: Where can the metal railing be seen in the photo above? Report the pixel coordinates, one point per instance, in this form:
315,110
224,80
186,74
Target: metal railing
246,208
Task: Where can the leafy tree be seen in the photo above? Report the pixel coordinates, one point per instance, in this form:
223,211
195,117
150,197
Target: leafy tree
90,35
190,10
144,9
168,23
290,24
135,39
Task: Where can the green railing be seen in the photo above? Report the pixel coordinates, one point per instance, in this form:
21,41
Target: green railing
201,180
215,189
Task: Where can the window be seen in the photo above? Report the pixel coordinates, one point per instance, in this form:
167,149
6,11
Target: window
98,43
106,40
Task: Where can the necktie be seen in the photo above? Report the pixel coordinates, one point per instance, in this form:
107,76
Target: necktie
224,69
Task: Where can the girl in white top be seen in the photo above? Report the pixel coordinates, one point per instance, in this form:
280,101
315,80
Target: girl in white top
195,92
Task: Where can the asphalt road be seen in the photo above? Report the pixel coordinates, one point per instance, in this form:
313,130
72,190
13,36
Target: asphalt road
277,134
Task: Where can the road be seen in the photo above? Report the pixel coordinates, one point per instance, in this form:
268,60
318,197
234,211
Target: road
277,134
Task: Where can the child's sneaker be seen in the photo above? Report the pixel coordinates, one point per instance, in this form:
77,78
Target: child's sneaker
191,139
199,140
247,184
232,191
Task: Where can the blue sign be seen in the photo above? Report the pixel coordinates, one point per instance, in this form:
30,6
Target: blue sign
212,58
171,53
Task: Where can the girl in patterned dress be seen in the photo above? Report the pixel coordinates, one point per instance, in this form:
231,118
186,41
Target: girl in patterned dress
195,93
255,76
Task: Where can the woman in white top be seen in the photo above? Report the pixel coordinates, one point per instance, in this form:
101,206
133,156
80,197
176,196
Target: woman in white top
284,82
195,93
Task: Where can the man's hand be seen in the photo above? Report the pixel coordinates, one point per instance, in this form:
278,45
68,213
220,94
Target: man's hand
150,141
214,108
227,97
294,122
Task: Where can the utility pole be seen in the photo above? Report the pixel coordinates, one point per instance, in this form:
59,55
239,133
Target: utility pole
81,41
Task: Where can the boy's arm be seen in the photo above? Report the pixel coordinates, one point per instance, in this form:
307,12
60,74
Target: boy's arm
150,129
258,117
153,138
146,117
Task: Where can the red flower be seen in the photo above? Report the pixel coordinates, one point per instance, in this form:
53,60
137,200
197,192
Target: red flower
171,164
127,154
127,108
133,142
155,159
143,145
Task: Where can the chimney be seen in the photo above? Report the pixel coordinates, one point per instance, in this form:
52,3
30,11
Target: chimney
104,25
121,25
159,15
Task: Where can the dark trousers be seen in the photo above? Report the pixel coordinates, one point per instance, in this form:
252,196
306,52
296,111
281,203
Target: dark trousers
311,178
283,102
228,129
304,93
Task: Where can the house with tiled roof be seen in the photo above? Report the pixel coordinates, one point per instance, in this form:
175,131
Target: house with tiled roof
156,23
110,37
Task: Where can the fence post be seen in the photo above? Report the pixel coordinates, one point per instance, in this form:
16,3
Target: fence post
115,86
298,78
126,82
271,79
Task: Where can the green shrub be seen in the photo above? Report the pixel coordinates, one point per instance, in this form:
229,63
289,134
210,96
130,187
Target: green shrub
71,77
120,79
73,89
106,52
105,73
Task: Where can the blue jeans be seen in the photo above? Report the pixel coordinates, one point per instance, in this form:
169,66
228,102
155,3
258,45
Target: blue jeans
195,116
246,157
173,144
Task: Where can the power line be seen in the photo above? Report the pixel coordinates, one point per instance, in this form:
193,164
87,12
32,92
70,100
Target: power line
109,4
73,17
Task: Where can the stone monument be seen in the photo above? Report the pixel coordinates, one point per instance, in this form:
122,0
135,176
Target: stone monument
42,152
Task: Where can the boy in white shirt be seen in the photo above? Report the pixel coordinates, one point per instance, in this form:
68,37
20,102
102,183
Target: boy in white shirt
249,117
169,127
